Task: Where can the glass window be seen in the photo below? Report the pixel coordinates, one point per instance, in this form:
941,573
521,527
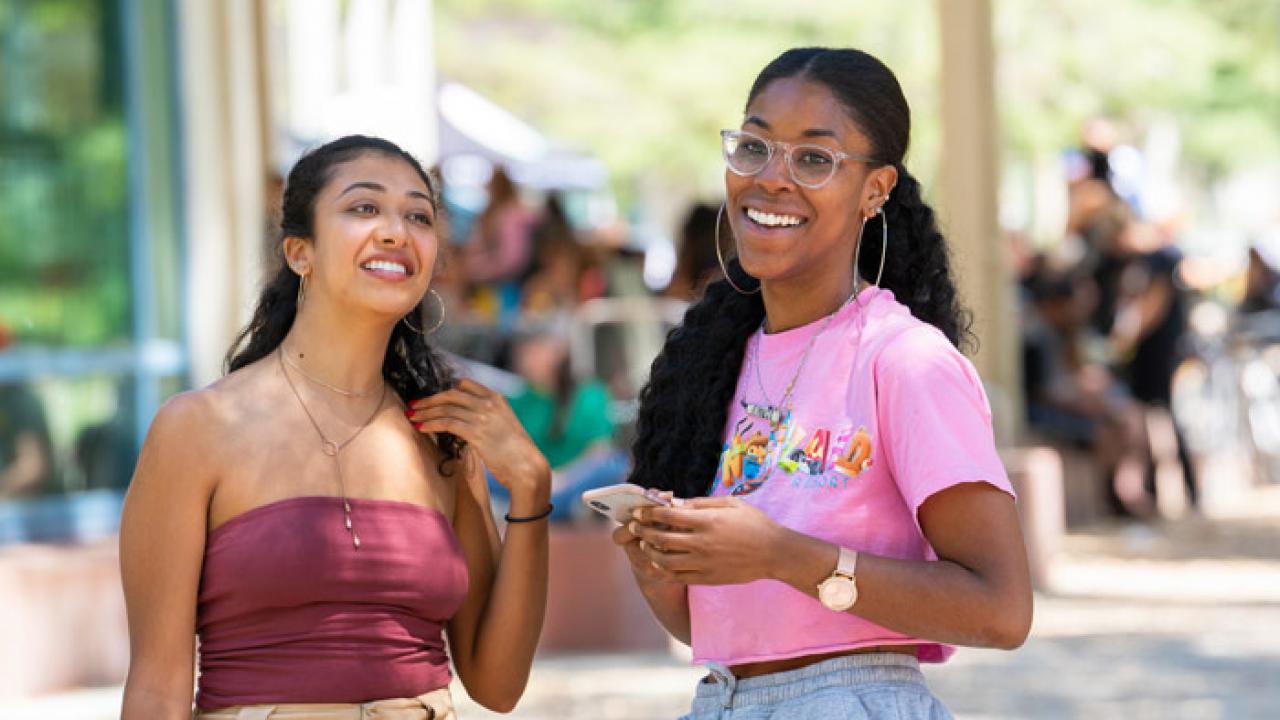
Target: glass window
64,251
81,359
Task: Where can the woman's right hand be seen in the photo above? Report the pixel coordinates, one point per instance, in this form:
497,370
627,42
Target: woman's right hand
643,568
645,571
668,600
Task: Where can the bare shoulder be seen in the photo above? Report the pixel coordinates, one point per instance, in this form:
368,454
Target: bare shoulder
181,441
199,417
198,429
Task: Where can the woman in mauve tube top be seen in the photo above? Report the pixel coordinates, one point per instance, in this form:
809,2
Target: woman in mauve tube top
319,517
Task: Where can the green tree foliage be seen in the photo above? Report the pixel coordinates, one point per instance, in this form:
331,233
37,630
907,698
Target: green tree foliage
64,272
645,84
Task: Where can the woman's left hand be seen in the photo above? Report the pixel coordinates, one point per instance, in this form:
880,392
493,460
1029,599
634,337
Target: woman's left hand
709,541
483,419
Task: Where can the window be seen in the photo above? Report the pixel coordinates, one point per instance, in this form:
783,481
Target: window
90,320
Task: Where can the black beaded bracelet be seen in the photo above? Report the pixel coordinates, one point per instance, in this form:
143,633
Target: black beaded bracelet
531,518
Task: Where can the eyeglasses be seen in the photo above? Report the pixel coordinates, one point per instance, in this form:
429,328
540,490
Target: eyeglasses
811,166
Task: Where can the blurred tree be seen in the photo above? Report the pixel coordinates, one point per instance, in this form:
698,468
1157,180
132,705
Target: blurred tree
646,85
64,255
1212,67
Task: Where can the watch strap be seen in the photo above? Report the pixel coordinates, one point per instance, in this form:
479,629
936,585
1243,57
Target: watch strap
848,562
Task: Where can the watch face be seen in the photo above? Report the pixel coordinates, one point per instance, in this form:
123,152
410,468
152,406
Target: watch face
838,593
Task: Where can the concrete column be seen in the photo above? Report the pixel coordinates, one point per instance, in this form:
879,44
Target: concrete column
225,165
970,179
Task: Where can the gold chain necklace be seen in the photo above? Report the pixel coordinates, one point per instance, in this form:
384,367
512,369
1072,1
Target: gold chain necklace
775,414
779,415
331,448
317,381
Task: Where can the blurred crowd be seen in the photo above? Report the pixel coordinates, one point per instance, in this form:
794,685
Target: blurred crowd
557,314
1110,352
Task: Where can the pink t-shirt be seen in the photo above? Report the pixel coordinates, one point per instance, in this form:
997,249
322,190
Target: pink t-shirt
885,413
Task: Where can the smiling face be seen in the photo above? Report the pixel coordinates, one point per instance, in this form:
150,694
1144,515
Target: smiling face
374,241
788,232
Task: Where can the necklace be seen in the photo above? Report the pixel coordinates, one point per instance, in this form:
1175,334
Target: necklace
317,381
331,448
779,416
770,412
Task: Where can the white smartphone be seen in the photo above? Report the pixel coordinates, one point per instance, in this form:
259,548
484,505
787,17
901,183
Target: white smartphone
617,501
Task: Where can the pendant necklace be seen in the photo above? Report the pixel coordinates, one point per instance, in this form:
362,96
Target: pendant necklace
776,414
331,448
779,415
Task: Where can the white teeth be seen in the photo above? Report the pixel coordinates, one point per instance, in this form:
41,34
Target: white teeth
385,265
771,220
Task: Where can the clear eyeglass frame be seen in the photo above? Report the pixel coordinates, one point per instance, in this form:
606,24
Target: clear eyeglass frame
731,140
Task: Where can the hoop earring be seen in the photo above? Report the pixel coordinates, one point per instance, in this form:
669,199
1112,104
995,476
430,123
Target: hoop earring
723,268
884,245
434,328
302,292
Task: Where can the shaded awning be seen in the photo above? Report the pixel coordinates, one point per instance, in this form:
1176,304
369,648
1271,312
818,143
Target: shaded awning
473,127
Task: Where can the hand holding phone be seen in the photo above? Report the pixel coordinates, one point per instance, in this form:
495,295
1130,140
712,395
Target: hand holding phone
617,501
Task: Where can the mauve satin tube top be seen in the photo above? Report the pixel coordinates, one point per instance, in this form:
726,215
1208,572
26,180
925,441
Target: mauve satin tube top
290,612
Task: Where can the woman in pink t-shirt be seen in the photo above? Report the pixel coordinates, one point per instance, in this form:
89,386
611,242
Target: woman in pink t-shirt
846,515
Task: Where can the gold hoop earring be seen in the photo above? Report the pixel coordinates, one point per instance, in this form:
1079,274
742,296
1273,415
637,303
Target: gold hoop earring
439,322
302,291
723,268
884,245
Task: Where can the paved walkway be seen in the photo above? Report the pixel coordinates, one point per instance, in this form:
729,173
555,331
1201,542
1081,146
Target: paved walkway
1172,621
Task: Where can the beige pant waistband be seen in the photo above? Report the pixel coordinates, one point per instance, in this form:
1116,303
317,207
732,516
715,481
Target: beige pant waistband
435,705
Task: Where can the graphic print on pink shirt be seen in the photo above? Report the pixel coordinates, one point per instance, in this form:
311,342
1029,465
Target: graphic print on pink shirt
757,450
885,413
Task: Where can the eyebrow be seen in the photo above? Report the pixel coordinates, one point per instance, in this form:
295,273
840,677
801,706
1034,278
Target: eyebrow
366,185
812,132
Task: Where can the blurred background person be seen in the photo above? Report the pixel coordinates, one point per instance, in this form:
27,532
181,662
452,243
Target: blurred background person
1074,400
696,264
562,274
569,420
1262,276
1148,341
499,248
26,453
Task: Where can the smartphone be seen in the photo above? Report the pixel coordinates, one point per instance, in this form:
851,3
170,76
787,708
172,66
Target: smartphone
617,501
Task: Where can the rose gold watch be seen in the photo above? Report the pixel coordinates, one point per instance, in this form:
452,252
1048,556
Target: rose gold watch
840,591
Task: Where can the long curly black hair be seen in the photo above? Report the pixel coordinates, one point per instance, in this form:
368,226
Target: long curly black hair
411,366
685,404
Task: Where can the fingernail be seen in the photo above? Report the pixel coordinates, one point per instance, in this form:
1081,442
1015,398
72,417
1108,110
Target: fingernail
419,425
635,514
409,412
631,528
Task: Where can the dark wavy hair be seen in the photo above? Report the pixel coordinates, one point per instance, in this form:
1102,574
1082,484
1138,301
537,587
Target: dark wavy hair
411,366
685,404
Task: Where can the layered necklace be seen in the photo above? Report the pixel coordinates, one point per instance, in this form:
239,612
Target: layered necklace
327,446
778,415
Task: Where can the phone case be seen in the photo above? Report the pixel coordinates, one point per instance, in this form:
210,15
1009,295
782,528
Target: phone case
618,501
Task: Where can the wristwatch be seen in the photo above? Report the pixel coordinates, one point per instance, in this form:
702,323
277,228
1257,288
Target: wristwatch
840,591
